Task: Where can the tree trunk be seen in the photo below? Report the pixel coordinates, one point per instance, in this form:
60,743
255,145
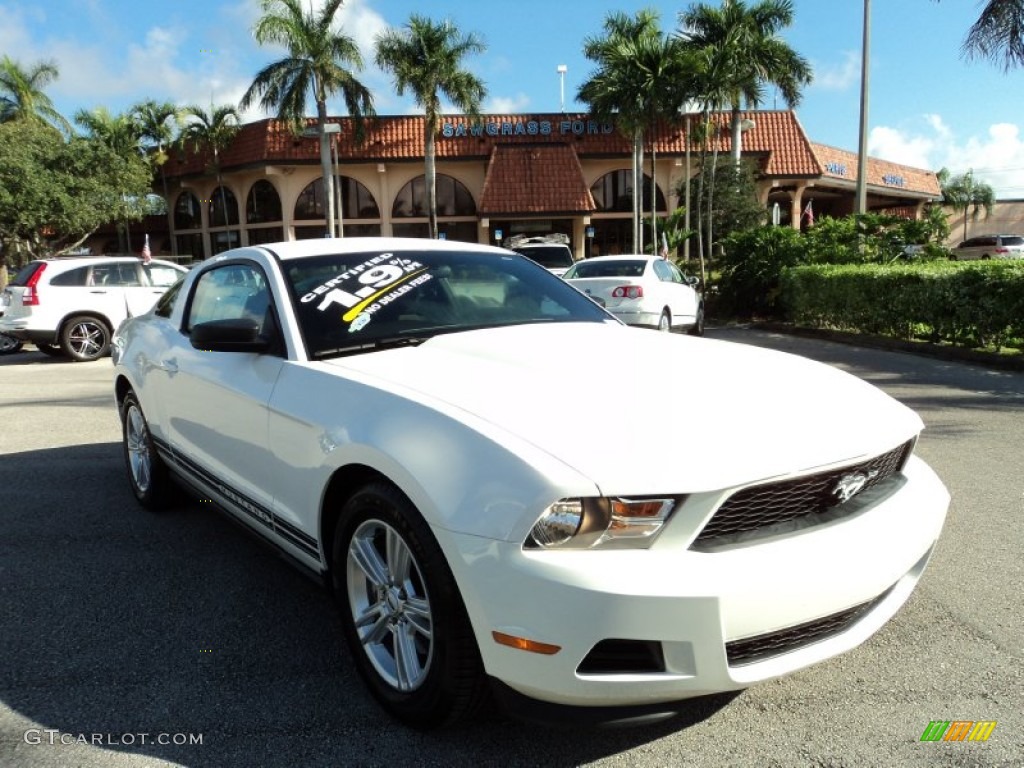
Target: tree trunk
170,212
654,197
325,165
637,192
431,179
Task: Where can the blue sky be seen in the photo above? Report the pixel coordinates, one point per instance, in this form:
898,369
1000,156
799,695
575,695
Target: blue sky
929,108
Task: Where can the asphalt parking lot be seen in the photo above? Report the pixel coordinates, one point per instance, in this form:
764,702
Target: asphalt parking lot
115,622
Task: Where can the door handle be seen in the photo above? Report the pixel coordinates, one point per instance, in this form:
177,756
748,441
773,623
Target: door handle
169,366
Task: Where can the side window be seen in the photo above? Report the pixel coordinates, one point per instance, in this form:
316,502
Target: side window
165,305
161,276
230,292
117,274
661,269
72,277
677,276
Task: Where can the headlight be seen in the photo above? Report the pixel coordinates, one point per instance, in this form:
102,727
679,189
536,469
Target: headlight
601,522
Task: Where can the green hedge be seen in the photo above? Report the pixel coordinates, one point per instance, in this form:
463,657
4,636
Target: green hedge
980,304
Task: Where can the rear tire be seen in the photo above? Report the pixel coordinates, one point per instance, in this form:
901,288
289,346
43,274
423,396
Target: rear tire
84,338
403,618
147,473
665,321
53,350
9,345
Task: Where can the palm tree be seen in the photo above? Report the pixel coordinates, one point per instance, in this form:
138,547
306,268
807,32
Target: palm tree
998,33
316,63
158,125
963,192
745,53
22,96
426,57
614,91
214,130
121,134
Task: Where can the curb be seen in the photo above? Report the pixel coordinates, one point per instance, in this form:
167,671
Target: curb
923,348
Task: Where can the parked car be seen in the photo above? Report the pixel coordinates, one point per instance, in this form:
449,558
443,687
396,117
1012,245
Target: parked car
550,251
990,247
641,290
71,306
380,410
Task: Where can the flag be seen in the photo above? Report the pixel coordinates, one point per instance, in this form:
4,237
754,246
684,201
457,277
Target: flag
664,246
809,213
147,255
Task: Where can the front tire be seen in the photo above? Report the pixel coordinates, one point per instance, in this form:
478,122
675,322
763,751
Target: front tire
84,338
697,329
147,473
403,617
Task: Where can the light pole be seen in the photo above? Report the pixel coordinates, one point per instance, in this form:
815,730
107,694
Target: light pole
862,147
562,69
311,133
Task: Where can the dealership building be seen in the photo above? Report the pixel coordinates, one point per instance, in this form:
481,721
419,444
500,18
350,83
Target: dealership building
497,176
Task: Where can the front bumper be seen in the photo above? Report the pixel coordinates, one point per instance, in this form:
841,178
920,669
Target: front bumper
690,605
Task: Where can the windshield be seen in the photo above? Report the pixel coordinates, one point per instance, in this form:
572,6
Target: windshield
362,301
616,268
549,256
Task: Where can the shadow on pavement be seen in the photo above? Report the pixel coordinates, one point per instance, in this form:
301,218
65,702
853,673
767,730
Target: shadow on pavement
115,620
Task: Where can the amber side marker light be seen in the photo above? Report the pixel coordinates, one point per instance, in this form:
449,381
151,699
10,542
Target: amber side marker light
522,644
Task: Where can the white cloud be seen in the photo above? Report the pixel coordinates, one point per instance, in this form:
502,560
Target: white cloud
997,158
838,77
507,105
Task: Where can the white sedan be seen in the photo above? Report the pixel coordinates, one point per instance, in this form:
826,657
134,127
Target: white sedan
641,290
380,410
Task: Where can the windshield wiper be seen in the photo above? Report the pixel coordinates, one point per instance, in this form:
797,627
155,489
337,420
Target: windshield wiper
374,345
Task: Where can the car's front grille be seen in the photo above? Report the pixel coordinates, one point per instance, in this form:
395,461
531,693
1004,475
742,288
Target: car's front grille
751,650
761,506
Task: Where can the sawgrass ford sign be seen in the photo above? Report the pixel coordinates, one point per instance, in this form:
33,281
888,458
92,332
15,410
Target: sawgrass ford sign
526,127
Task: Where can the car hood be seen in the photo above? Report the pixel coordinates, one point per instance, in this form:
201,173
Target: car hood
639,411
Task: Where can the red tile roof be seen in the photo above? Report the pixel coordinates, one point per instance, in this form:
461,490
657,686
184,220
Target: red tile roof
776,136
535,178
840,164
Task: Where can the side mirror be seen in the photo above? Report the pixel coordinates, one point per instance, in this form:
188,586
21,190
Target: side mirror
231,335
693,282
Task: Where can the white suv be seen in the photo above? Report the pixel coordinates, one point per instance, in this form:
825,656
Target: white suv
550,251
73,305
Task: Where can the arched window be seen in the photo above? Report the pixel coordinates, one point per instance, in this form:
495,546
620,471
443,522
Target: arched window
187,213
263,203
613,193
223,207
357,202
453,199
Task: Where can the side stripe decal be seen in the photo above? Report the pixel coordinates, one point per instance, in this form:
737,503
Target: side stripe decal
253,509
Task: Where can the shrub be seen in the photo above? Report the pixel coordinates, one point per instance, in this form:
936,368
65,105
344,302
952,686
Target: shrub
978,304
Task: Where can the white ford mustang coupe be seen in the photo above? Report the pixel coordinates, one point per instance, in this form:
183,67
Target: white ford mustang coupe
700,516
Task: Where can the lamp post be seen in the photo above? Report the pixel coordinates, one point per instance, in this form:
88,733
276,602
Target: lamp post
862,147
562,69
312,133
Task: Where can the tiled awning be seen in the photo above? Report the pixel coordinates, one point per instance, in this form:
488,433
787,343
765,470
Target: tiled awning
534,178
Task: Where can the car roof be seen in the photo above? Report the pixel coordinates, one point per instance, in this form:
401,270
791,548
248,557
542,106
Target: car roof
625,257
298,249
79,261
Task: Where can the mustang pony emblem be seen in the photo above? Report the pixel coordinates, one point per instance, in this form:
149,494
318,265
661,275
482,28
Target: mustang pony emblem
852,484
